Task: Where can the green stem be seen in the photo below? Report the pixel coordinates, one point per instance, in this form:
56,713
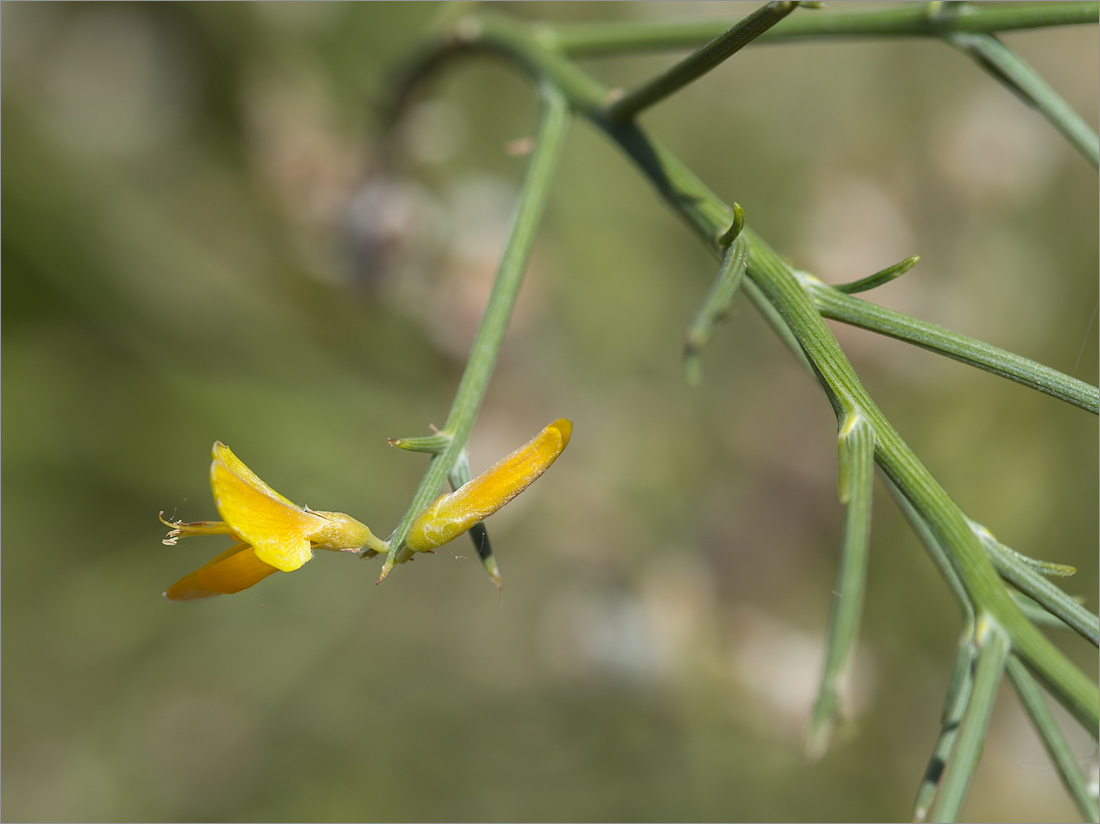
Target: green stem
954,705
1010,69
1036,613
1045,592
855,478
996,549
958,689
553,127
715,308
880,278
918,20
1055,742
993,648
836,305
771,281
898,462
700,62
936,550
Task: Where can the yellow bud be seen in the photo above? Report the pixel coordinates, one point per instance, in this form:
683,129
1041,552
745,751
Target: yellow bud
449,515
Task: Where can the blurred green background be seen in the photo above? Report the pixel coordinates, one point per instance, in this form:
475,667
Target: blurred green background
200,242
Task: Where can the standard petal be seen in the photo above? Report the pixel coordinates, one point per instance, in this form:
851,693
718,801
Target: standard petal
260,515
235,569
223,453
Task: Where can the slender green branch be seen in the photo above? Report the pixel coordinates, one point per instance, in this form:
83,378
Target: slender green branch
776,284
1036,613
553,127
955,703
898,462
432,444
855,476
918,20
996,549
775,321
958,692
958,689
1024,577
1055,742
968,27
786,301
1004,64
532,203
795,304
879,278
939,553
703,60
1053,599
715,308
836,305
993,649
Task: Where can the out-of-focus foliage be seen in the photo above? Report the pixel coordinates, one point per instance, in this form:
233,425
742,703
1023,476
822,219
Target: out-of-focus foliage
200,243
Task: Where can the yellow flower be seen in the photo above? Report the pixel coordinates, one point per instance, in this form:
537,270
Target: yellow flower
449,515
272,532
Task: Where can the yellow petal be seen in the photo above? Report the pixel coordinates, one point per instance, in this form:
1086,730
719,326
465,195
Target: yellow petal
448,516
235,569
285,553
235,465
272,524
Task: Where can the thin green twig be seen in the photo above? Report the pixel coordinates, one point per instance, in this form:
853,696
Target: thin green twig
937,550
1052,598
714,309
897,461
553,127
957,696
993,647
836,305
1036,613
1073,778
879,278
794,305
778,285
700,62
855,477
997,549
1008,67
910,20
955,703
967,26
